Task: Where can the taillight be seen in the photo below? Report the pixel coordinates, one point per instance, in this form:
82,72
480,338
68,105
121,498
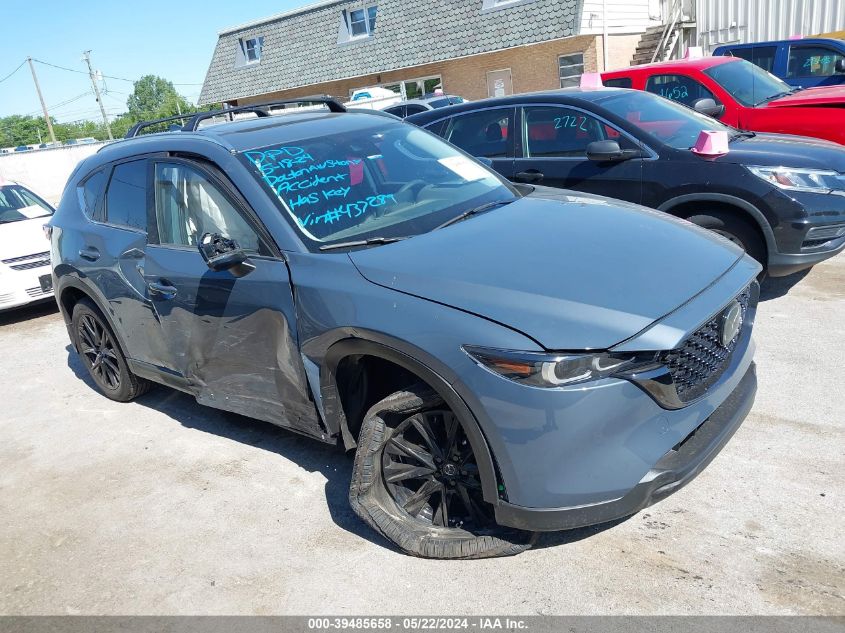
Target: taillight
48,231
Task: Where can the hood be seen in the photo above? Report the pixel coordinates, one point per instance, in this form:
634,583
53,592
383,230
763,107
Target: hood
22,238
583,274
785,150
821,96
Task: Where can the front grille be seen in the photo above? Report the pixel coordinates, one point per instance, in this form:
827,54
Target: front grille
37,292
15,260
38,263
701,360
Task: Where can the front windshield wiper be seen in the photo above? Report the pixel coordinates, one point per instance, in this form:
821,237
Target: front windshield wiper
371,241
778,95
473,211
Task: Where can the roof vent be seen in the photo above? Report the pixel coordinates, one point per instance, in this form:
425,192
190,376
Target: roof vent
591,81
711,143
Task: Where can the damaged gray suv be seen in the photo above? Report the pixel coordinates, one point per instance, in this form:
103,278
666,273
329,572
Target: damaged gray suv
503,361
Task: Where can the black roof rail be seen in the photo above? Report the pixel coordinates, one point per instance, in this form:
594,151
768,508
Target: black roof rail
261,109
133,131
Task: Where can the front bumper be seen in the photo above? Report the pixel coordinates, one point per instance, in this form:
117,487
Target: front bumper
782,264
670,473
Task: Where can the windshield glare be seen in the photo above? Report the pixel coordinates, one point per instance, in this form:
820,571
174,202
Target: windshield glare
17,203
747,83
388,180
667,121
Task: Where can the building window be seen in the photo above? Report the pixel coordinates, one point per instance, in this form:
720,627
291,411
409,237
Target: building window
249,51
412,88
358,24
571,69
495,5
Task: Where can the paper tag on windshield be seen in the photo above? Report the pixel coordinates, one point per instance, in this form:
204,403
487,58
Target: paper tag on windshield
32,211
464,167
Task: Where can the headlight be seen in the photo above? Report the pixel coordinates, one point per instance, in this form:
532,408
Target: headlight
816,180
556,370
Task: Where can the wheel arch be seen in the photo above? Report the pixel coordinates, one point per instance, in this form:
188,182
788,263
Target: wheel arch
681,205
74,290
337,422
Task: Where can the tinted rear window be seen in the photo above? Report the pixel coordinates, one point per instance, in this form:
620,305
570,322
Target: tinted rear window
620,82
126,200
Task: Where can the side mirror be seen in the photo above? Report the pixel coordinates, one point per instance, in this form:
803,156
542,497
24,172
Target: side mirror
221,253
485,160
709,107
839,66
605,151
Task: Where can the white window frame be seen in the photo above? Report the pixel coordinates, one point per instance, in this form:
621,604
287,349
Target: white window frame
561,66
369,23
497,5
247,44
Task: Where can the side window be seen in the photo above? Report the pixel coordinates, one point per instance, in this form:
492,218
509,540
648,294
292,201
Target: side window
126,198
90,194
439,127
762,56
556,132
812,61
483,133
397,111
619,82
680,88
188,205
416,109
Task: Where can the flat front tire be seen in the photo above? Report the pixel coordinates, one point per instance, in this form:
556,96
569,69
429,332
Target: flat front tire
416,482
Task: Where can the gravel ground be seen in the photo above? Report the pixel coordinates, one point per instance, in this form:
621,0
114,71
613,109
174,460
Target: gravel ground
166,507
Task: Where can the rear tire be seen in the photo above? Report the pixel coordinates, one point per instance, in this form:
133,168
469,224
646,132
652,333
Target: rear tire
736,229
102,356
415,481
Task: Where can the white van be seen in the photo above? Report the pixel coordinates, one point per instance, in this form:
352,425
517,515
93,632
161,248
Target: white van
25,275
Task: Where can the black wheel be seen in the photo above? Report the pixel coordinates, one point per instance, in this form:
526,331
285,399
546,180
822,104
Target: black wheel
102,356
736,229
416,482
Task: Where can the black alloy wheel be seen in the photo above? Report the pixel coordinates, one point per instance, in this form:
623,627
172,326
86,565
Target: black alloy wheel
98,350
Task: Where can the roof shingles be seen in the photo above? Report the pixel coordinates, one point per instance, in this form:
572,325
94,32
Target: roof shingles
302,48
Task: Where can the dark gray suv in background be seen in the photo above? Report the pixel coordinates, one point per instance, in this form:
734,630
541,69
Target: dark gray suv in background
504,361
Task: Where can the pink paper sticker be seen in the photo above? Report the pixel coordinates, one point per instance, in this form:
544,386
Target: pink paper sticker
591,81
711,143
797,36
694,52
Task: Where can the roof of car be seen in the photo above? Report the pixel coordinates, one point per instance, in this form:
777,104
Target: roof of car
246,134
702,63
791,41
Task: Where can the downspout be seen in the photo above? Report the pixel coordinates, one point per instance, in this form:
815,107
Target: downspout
604,37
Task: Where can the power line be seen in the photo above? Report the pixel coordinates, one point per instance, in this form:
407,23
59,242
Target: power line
13,72
82,72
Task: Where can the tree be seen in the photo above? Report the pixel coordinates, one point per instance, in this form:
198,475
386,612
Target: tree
155,98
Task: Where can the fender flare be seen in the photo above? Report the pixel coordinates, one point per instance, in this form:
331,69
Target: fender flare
77,283
754,212
335,418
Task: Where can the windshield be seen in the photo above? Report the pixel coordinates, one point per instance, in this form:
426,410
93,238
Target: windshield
748,83
667,121
17,203
384,179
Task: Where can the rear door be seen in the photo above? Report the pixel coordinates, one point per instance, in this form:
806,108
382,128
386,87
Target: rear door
487,133
233,339
554,140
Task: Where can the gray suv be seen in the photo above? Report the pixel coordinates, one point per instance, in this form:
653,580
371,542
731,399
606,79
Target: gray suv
503,361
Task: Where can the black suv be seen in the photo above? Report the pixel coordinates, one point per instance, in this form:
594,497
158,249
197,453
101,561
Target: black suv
780,197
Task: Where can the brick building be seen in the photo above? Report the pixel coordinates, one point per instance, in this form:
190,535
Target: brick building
474,48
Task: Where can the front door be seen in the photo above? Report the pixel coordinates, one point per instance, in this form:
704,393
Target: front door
233,339
499,83
554,142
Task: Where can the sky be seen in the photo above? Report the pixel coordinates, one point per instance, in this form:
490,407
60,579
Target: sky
128,39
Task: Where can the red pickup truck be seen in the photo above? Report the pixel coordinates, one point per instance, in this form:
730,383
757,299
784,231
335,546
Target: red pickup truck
741,95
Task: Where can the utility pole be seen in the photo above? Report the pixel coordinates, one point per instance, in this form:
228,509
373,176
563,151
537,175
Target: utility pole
87,57
41,99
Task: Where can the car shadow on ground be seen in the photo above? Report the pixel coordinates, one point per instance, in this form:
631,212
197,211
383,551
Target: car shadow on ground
308,453
28,312
776,287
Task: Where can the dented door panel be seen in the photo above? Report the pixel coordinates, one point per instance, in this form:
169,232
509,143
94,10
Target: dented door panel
231,338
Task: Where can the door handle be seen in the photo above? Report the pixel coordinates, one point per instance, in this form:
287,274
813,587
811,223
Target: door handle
89,253
532,175
162,290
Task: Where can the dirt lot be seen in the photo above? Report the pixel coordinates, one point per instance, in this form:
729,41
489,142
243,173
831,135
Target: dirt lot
165,507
